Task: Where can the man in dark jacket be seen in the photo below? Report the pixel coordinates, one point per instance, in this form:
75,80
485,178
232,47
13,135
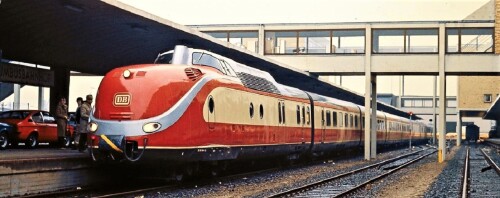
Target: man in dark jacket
61,120
79,101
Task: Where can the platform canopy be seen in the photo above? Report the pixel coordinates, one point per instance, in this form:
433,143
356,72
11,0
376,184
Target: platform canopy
97,36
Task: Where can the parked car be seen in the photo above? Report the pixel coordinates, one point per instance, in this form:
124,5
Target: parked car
30,127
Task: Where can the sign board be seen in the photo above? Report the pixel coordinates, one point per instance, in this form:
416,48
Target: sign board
26,75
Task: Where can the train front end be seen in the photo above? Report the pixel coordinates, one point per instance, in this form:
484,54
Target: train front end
138,108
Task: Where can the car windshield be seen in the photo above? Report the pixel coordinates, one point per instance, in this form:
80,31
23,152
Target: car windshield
14,115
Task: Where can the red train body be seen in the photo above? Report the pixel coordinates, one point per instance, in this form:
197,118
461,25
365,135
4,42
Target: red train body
196,106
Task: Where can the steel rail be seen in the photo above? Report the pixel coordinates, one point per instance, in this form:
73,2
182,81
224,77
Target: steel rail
466,175
319,183
382,175
491,162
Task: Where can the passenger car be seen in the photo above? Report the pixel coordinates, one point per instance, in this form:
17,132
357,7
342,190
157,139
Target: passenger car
30,127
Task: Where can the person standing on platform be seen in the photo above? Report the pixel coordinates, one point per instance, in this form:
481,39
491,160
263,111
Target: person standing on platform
61,120
79,101
84,120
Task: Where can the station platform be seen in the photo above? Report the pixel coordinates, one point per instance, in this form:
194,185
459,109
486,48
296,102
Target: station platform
36,171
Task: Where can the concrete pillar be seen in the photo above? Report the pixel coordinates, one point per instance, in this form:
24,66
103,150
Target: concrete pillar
17,97
368,88
60,88
434,118
373,118
262,39
459,129
41,95
442,96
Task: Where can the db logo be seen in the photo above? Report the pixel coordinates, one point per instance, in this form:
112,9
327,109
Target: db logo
122,99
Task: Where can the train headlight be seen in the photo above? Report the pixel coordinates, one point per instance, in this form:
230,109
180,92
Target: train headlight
151,127
93,127
127,73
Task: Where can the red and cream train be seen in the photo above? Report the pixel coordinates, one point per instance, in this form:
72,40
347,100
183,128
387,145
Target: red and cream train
196,106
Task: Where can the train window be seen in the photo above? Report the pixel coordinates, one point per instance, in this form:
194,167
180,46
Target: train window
283,112
334,118
328,118
352,120
303,115
346,120
356,121
251,110
341,121
363,121
164,58
308,116
279,112
211,104
322,117
229,69
298,114
207,60
261,111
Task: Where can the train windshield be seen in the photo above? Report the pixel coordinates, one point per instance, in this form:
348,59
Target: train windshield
206,60
164,58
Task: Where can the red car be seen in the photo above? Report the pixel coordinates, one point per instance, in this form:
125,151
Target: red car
30,127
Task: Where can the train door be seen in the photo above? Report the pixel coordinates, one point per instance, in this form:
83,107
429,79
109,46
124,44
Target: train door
279,134
323,123
303,124
211,113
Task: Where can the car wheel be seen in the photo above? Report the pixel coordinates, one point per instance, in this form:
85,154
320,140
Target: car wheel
4,140
32,141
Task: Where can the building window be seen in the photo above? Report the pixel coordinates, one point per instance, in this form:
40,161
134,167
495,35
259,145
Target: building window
281,43
487,98
451,103
469,40
247,40
348,41
405,41
223,36
315,42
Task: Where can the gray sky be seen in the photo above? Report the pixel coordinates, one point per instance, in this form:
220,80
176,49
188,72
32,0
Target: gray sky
197,12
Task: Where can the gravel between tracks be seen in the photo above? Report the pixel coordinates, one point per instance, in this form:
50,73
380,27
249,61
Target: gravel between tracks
265,184
403,182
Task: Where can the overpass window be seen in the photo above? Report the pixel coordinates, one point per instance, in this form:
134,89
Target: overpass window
223,36
314,42
206,60
281,42
469,40
405,41
247,40
348,42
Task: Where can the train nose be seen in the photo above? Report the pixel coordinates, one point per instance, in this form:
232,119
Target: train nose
112,143
118,147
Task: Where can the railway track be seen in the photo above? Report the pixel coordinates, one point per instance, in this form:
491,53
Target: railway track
481,174
346,183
